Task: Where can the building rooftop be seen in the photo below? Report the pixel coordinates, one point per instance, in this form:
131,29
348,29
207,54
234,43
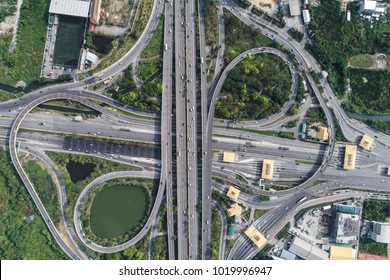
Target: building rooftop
366,142
233,193
77,8
287,255
255,236
306,250
268,169
295,9
346,228
368,5
234,210
91,57
95,16
323,134
350,157
306,16
229,157
341,253
380,232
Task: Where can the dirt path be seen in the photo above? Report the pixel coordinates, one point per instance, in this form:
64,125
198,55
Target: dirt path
16,25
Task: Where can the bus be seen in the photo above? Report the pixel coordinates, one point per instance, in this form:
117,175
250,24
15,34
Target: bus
302,199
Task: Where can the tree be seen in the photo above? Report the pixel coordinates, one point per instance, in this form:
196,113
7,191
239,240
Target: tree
294,111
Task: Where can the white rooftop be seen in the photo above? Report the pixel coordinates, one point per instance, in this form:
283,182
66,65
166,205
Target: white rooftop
369,5
91,57
77,8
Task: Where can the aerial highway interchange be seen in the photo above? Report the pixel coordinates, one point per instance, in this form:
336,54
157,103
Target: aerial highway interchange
184,143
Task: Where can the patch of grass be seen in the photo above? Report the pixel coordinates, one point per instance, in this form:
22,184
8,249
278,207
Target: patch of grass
242,179
160,248
382,126
308,162
155,45
239,37
370,246
215,233
45,187
25,62
259,213
376,210
370,92
283,232
73,190
19,240
361,61
339,132
5,96
281,134
147,68
296,34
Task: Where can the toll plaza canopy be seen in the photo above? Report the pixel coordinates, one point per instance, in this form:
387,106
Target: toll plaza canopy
77,8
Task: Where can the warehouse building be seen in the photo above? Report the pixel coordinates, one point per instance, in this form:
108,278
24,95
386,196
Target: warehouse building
306,250
76,8
380,232
350,157
268,169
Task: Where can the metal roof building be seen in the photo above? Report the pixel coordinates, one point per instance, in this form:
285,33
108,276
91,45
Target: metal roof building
77,8
380,232
306,16
295,10
307,251
287,255
341,253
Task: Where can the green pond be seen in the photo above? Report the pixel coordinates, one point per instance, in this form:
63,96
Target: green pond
118,209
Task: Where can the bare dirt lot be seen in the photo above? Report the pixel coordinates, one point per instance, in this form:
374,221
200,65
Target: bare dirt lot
116,12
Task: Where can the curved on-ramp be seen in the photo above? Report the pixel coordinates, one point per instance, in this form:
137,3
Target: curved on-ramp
30,187
89,187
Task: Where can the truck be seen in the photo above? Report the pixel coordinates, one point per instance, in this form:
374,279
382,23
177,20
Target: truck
301,200
201,60
166,47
